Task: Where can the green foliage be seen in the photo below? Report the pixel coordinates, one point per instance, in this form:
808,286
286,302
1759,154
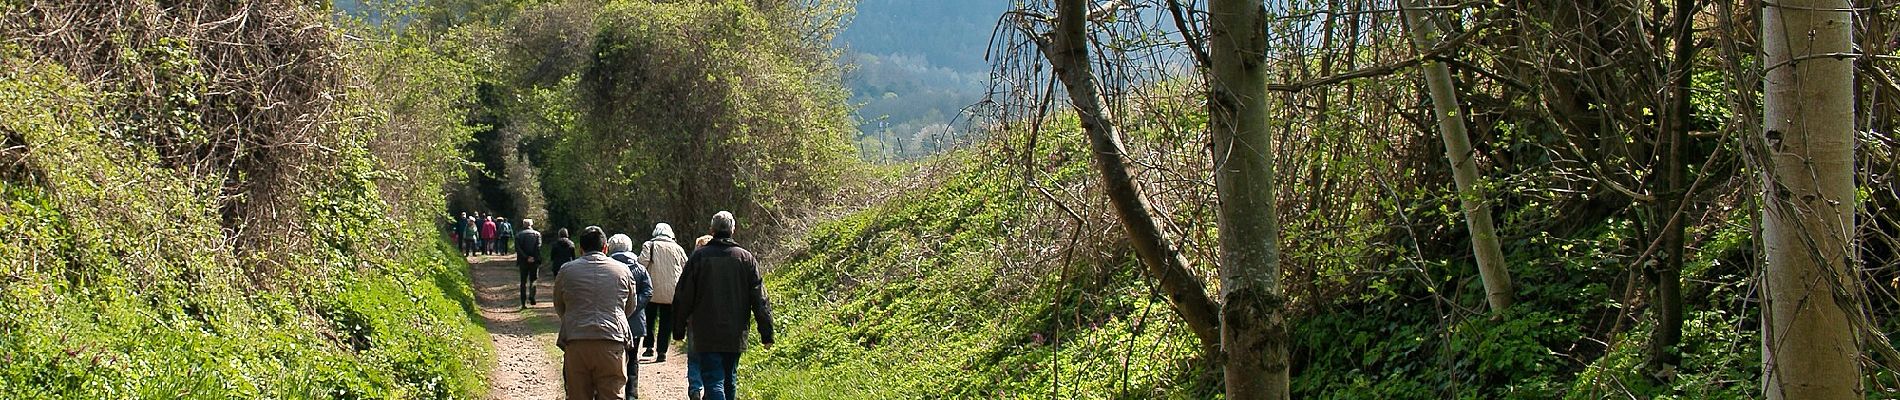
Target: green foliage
1721,345
1396,346
684,109
948,292
120,281
412,91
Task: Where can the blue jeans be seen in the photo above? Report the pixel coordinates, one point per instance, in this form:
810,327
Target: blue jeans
717,371
694,385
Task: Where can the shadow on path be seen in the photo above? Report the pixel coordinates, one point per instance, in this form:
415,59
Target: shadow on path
526,361
525,366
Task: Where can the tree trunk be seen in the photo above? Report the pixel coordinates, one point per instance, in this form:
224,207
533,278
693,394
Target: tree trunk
1464,172
1068,52
1253,327
1667,275
1808,347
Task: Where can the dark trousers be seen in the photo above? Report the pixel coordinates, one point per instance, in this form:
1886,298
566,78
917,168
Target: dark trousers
660,317
528,276
633,374
718,371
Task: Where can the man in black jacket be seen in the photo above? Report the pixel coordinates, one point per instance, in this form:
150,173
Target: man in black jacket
528,242
719,296
560,251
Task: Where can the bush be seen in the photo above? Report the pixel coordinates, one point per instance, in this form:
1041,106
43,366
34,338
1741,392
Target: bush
121,280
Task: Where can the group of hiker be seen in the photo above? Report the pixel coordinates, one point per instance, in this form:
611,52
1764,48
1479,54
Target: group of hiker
481,234
616,298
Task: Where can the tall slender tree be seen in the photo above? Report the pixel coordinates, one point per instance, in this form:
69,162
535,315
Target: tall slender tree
1807,151
1067,48
1673,194
1464,170
1253,326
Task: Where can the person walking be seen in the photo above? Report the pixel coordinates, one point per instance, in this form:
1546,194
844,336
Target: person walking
480,244
663,259
594,300
695,387
470,230
505,232
528,260
721,294
620,248
488,235
455,232
561,251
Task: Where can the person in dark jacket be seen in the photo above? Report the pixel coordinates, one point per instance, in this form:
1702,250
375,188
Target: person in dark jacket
595,300
528,260
720,295
694,386
620,248
504,231
561,251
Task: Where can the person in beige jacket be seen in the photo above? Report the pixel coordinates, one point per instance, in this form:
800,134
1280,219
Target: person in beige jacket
663,259
597,299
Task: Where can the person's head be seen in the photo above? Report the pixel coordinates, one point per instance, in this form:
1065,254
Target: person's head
702,241
561,233
722,224
527,223
620,243
662,230
593,239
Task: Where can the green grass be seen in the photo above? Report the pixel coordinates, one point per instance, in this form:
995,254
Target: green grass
914,298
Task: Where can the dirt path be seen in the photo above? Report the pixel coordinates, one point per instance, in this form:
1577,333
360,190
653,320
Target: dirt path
526,361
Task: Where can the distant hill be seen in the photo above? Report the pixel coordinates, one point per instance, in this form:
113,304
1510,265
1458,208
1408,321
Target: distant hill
918,63
951,34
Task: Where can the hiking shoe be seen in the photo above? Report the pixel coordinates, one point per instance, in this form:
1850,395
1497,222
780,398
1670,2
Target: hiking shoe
660,359
648,354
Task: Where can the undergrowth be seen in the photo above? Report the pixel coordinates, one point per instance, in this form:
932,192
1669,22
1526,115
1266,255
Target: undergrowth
957,289
969,287
120,280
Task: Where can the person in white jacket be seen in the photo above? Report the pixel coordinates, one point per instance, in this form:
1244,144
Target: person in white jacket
663,259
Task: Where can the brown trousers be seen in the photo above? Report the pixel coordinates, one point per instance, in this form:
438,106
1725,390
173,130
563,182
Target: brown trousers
595,369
